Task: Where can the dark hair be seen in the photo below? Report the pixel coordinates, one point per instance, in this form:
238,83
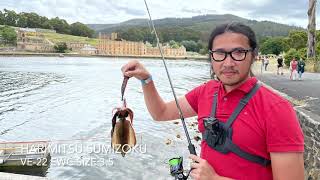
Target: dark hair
235,27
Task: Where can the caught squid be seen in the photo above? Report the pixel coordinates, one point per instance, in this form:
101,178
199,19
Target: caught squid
122,133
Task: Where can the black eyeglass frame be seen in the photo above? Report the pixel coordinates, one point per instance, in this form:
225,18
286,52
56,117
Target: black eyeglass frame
230,53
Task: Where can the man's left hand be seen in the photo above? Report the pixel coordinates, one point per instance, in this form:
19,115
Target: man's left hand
202,170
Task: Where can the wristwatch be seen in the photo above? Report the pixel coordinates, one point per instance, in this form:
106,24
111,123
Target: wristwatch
146,81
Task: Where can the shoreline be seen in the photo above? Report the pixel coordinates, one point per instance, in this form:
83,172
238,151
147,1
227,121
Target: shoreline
27,54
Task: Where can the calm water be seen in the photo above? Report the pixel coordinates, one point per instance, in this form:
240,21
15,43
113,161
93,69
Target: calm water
69,102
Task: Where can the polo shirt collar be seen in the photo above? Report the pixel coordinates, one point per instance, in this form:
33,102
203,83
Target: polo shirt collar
245,87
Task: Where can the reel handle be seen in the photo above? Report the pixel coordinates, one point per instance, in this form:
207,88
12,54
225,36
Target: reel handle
192,149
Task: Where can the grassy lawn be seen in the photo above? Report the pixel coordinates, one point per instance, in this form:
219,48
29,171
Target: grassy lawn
55,37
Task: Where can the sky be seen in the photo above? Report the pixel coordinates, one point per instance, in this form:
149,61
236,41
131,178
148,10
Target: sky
291,12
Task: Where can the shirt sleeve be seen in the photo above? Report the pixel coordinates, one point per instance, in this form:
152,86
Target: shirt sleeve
193,97
284,133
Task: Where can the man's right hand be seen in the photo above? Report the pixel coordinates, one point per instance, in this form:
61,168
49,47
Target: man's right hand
159,110
135,69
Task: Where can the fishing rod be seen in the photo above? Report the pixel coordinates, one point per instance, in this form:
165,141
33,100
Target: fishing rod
191,147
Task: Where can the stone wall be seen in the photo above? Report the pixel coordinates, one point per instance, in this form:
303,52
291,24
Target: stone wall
311,130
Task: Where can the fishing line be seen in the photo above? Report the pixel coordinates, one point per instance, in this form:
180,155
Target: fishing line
191,147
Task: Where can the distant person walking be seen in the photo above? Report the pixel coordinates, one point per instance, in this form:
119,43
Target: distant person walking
293,69
266,63
262,63
301,65
280,65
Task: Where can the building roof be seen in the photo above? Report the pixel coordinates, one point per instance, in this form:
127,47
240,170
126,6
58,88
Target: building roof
88,47
28,29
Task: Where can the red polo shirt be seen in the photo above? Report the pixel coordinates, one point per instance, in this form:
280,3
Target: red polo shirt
268,123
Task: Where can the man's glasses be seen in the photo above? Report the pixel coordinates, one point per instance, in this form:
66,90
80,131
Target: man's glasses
236,54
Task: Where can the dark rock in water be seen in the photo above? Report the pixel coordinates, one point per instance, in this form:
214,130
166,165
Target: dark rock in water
168,141
194,124
178,136
176,122
197,138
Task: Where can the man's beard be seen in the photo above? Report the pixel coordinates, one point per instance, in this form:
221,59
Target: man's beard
236,72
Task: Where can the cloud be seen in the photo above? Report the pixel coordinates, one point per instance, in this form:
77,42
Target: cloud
193,11
6,3
114,11
284,11
197,11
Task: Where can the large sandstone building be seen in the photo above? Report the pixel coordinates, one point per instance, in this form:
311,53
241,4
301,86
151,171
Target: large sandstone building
33,40
112,45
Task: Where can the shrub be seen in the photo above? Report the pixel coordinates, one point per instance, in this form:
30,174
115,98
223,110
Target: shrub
61,47
292,53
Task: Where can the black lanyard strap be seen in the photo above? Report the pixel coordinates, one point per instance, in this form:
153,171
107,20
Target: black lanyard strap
243,102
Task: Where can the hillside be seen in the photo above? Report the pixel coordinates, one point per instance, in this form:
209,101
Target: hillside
203,24
56,37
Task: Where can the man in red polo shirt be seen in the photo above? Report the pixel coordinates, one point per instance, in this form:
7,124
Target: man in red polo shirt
265,127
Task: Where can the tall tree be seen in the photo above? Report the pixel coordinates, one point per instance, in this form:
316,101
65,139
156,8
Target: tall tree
11,18
60,25
33,20
274,46
79,29
190,45
22,20
312,28
298,39
1,17
45,24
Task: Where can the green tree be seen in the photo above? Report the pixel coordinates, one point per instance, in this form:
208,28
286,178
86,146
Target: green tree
137,34
61,47
201,45
285,43
302,53
1,17
33,20
79,29
317,35
45,24
178,34
10,18
203,51
22,20
204,48
60,25
174,44
298,39
148,37
292,53
273,46
263,39
166,34
318,44
190,46
9,35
